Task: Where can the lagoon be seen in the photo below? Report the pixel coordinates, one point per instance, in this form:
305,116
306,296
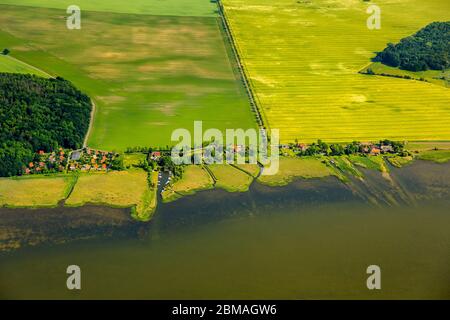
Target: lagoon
310,239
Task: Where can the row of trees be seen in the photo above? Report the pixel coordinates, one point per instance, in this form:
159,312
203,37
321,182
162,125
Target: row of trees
427,49
355,147
38,114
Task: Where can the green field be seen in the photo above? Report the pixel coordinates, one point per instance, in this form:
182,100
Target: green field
439,156
147,75
230,179
152,7
10,65
439,77
195,178
303,58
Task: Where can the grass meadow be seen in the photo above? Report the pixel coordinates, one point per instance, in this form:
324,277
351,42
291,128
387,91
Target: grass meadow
10,65
303,58
195,178
292,168
121,189
147,75
230,178
439,77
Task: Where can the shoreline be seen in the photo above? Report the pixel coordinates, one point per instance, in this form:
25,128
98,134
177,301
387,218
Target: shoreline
34,226
344,168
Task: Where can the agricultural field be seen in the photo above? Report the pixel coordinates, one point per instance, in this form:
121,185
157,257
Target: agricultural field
147,74
35,191
121,189
200,8
11,65
302,59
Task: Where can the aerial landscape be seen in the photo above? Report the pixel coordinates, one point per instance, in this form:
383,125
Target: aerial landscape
100,99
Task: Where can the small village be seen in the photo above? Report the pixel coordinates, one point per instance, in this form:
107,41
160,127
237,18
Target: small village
92,160
65,160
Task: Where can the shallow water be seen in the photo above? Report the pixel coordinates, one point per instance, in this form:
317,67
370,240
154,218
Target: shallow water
310,239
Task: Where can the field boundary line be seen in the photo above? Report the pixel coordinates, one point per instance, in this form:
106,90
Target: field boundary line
255,108
242,170
211,174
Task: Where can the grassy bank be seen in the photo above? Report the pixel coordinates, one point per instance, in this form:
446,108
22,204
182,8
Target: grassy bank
251,169
399,162
122,189
439,156
230,178
291,168
369,162
195,178
35,191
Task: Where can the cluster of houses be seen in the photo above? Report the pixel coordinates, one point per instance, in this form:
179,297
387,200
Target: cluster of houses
64,160
48,162
384,147
88,159
376,149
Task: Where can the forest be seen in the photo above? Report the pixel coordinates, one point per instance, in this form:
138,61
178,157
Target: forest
38,114
428,49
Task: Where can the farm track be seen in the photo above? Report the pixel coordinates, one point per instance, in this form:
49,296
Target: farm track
91,124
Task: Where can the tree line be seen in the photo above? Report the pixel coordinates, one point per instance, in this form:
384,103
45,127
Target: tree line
428,49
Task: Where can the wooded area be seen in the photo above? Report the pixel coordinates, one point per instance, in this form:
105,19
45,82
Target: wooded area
38,114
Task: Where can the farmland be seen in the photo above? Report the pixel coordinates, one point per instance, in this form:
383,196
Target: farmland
302,59
147,74
201,8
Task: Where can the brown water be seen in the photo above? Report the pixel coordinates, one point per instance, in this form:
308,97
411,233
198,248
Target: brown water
311,239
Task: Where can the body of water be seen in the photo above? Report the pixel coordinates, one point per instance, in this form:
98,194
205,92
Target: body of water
311,239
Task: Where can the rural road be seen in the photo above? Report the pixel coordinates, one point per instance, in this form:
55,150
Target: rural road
91,122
